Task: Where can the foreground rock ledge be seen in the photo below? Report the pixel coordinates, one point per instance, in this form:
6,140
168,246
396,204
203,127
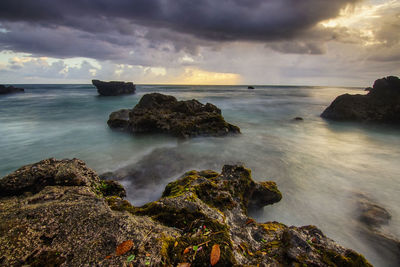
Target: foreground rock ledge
59,213
114,88
381,104
158,113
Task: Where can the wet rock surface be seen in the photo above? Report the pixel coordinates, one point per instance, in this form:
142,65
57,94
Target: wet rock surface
114,88
10,90
69,224
373,218
158,113
372,214
381,104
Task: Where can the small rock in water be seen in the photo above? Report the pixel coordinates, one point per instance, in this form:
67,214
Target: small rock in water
250,87
372,214
372,218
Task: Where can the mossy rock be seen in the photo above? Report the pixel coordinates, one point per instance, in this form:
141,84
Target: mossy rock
75,222
158,113
350,258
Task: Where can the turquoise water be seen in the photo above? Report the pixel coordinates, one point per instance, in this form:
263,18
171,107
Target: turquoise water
319,166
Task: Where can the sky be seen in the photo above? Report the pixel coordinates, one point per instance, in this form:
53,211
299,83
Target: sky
278,42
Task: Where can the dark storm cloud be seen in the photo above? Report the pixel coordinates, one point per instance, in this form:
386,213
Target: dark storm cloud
105,29
216,20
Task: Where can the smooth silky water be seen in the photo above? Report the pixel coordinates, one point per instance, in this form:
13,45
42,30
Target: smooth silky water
319,166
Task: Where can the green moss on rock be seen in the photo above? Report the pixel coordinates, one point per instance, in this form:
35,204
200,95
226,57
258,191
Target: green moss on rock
77,222
350,258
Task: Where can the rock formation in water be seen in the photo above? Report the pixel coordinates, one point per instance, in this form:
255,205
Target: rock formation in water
158,113
10,90
250,87
114,88
372,218
59,213
381,104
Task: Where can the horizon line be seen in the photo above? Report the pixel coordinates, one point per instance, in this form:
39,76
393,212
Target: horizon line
172,84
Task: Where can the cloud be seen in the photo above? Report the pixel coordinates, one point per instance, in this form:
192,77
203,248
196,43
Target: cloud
37,70
298,47
159,41
221,20
372,28
25,69
104,29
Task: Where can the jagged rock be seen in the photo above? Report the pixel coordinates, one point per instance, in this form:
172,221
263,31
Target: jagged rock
158,113
10,90
119,119
33,178
380,104
69,223
114,88
79,225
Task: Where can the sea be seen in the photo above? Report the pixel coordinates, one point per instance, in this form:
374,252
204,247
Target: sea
321,167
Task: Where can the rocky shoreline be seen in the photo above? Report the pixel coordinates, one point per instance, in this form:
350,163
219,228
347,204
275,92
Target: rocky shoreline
60,213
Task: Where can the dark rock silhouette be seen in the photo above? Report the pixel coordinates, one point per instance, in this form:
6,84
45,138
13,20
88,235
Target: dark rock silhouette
114,88
10,90
250,87
158,113
381,104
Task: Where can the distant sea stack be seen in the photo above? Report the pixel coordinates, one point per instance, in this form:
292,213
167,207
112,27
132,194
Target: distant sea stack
250,87
381,104
10,90
158,113
114,88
